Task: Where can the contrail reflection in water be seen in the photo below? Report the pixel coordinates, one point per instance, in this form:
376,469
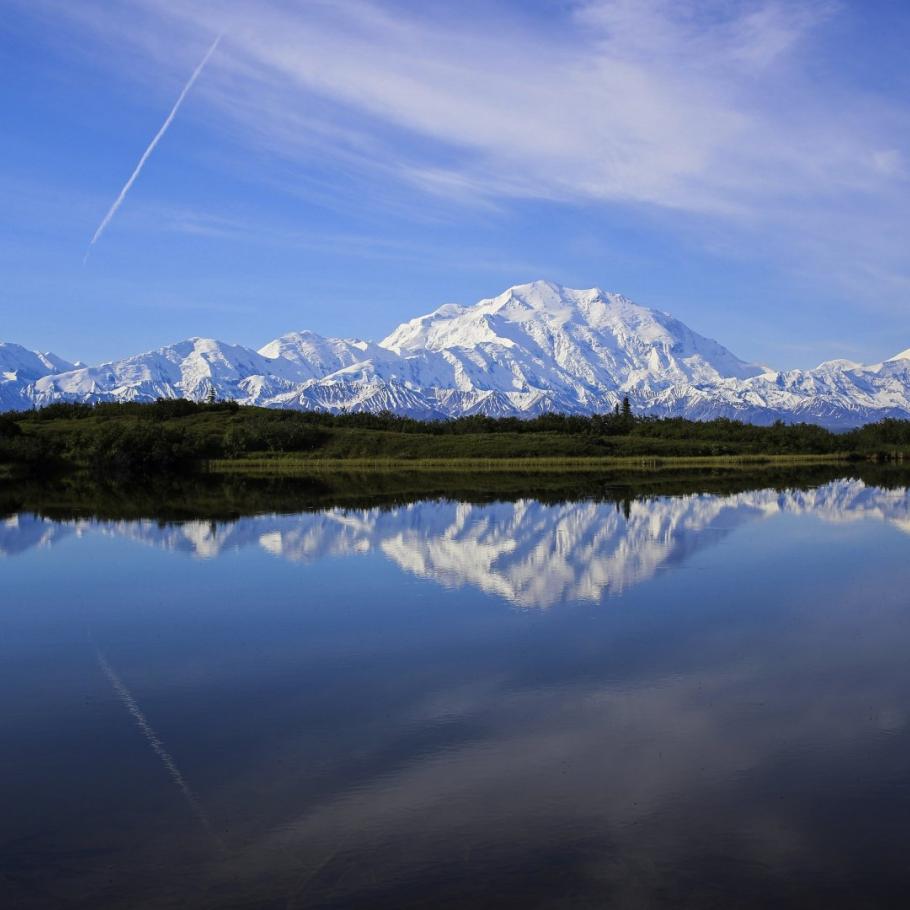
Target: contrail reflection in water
157,745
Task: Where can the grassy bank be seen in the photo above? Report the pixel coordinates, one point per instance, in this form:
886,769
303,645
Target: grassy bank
313,465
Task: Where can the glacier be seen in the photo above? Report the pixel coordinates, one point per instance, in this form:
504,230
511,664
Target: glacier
535,348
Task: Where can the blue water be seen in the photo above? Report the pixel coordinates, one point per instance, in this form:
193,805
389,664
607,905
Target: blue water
699,700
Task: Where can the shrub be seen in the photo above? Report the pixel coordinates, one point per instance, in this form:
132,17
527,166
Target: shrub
9,429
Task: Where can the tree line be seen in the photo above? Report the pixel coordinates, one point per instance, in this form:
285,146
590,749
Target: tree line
172,432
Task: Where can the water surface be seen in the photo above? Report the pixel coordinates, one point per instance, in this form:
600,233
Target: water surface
634,701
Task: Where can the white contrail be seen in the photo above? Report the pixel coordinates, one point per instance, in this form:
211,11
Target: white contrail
145,155
158,746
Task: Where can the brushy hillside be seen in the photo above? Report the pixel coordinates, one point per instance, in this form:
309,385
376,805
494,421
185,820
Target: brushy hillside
178,434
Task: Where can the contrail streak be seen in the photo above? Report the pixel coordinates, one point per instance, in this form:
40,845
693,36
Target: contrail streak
157,745
145,155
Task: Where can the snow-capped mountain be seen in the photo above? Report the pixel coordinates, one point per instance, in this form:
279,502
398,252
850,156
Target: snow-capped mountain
20,367
184,370
537,347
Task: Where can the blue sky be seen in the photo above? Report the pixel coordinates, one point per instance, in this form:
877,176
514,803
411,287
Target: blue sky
343,166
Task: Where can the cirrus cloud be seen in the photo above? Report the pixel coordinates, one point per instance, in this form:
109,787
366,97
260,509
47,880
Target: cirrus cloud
719,111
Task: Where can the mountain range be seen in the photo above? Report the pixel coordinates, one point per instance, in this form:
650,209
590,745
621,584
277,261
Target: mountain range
536,347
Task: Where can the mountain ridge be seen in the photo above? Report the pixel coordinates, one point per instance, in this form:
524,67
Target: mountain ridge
536,347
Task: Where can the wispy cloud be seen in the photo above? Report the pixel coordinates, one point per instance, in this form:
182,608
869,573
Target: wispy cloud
151,147
727,113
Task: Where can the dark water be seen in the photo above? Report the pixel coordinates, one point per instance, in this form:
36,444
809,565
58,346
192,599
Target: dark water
694,700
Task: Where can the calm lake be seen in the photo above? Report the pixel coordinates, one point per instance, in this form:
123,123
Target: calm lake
688,695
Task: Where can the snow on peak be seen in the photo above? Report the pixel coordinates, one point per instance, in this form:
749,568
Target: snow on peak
546,337
17,361
316,356
838,364
533,348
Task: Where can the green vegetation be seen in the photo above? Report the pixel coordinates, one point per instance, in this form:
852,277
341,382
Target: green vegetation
175,435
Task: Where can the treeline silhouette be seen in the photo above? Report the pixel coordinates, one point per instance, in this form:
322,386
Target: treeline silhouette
178,497
170,433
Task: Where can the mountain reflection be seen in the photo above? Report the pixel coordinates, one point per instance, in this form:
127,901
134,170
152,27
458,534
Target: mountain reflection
527,552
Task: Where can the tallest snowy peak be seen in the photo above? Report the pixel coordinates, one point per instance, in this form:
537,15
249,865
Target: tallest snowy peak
544,304
541,336
539,295
547,297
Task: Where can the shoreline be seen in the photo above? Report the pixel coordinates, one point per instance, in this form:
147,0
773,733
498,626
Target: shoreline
291,464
